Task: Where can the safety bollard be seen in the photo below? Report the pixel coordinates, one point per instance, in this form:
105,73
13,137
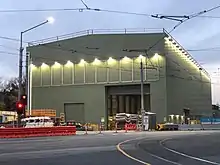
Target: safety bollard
86,129
137,128
116,127
100,128
126,128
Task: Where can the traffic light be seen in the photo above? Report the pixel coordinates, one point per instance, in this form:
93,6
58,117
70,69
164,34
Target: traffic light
23,99
20,107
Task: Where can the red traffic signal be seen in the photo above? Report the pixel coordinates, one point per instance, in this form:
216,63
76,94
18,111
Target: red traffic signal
20,107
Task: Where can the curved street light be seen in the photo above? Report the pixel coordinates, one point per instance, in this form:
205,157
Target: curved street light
49,20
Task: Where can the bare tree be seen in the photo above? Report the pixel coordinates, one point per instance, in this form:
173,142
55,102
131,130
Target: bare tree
10,92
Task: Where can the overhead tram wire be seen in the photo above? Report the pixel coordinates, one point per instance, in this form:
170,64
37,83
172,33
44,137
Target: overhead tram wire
209,16
12,39
204,49
94,9
8,47
75,9
185,18
85,9
197,14
9,53
40,10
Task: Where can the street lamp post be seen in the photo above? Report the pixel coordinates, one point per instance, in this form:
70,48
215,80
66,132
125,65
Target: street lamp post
49,20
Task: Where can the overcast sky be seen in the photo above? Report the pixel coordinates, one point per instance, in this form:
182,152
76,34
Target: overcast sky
197,33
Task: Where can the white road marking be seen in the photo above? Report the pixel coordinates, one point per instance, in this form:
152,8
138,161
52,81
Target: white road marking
185,155
161,158
58,151
126,154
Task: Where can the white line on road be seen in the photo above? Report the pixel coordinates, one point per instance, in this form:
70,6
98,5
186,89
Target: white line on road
161,158
126,154
57,151
185,155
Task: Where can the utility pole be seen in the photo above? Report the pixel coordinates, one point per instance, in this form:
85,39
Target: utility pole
20,66
20,75
142,95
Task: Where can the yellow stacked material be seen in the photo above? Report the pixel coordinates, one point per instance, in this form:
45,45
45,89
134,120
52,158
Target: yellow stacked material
43,112
195,122
8,113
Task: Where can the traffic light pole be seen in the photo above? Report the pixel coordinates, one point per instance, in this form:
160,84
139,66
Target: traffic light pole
20,109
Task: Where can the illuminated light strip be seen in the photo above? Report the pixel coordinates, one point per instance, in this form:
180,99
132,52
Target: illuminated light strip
191,60
82,62
171,43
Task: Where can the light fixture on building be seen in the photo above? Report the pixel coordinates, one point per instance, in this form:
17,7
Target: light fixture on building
141,58
33,66
125,60
96,62
111,61
156,56
82,62
43,65
56,65
69,64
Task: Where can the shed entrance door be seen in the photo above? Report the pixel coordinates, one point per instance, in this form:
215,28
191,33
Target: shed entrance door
74,111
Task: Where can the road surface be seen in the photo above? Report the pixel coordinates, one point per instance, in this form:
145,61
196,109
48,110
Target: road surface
156,148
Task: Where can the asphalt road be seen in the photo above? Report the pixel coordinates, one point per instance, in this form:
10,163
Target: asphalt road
156,148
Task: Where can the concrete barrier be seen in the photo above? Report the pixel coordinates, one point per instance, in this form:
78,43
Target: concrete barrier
37,132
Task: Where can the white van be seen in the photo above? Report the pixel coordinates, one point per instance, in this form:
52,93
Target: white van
37,122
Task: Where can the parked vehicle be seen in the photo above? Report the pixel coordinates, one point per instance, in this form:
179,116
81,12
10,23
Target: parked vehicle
79,126
37,122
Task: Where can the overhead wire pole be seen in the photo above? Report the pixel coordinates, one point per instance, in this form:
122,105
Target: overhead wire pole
27,84
142,95
142,92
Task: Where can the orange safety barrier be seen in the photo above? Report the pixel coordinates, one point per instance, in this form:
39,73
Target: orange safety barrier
130,127
37,132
